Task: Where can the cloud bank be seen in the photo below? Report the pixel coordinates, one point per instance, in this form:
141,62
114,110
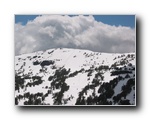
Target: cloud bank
82,32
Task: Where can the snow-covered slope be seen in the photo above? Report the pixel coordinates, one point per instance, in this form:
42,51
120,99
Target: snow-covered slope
74,77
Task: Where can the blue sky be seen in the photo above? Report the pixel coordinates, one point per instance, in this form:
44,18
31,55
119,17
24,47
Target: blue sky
23,19
123,20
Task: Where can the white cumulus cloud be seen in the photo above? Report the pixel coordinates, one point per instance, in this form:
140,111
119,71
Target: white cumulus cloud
83,32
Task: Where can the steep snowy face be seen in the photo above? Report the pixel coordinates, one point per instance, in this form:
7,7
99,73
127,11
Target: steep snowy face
74,77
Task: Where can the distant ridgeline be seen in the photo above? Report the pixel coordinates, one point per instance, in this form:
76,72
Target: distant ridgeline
74,77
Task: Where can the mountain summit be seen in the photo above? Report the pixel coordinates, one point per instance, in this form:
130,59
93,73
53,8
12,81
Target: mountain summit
74,77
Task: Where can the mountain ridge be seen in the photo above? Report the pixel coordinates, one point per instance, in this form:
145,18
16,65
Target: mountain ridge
73,49
65,76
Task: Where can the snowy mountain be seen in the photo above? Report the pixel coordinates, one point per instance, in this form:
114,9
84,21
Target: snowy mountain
74,77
